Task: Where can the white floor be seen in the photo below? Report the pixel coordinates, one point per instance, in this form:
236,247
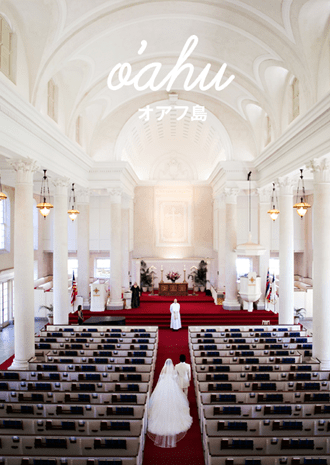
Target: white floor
7,340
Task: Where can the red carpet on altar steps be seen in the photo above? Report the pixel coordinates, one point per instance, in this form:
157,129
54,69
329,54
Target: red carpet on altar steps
195,310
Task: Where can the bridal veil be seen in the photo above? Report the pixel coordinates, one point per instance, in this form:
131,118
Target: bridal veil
168,410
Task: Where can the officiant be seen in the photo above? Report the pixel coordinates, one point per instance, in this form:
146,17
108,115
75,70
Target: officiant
136,291
175,316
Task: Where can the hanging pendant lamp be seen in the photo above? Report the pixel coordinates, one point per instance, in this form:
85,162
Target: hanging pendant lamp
301,206
73,213
250,249
44,206
273,212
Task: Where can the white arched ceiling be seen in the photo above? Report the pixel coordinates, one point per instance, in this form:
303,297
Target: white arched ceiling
195,146
80,42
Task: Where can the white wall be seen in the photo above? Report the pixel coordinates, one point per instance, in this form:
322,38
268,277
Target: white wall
99,223
188,233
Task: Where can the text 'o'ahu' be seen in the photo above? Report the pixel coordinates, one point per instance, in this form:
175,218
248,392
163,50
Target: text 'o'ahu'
125,70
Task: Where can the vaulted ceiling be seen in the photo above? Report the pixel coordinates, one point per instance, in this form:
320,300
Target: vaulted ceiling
264,43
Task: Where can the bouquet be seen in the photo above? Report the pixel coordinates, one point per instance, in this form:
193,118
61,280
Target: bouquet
173,276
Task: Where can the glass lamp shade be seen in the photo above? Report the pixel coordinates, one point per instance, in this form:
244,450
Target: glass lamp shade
73,214
2,196
44,208
301,208
273,213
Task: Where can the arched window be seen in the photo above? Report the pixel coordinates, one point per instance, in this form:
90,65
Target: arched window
6,49
5,225
295,98
52,104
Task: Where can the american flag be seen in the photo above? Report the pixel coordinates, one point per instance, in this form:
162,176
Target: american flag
74,291
267,284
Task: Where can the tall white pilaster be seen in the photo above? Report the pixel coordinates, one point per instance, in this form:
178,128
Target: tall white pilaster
83,245
231,302
137,272
286,283
265,225
321,288
23,265
60,258
221,242
125,242
116,302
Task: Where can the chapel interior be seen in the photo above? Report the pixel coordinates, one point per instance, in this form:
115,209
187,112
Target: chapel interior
170,177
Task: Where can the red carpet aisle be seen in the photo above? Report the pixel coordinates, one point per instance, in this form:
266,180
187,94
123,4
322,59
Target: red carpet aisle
189,450
195,310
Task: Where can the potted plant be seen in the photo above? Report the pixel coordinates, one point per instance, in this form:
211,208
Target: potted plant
198,275
50,313
145,276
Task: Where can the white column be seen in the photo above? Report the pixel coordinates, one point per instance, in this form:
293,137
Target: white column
125,242
231,302
321,287
60,258
308,248
83,245
23,265
265,225
221,242
137,272
116,302
286,285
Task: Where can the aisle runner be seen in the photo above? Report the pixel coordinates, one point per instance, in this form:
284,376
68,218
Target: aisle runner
189,450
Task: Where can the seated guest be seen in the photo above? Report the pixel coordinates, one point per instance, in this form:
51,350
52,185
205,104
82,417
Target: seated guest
80,315
136,291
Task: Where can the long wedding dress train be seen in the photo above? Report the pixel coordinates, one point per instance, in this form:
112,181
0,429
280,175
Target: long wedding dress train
168,410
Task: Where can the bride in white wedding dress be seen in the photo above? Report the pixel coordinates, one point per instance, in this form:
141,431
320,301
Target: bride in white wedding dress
168,410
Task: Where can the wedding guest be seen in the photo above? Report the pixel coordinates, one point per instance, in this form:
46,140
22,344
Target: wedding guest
80,315
136,292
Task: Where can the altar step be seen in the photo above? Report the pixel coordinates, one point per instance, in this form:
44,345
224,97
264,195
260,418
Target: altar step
137,317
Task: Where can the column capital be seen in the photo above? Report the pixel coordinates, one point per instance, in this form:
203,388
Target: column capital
83,195
231,194
61,185
265,194
219,200
285,184
24,169
320,169
126,201
115,194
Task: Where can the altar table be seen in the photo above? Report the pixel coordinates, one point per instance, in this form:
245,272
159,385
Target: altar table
173,289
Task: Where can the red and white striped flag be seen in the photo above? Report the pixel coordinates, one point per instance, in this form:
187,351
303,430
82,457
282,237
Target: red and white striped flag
74,291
